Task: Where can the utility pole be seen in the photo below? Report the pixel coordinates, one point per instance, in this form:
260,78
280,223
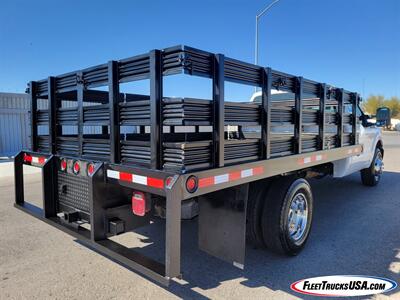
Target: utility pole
258,16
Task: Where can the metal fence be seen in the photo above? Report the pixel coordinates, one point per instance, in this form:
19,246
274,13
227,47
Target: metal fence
15,126
14,123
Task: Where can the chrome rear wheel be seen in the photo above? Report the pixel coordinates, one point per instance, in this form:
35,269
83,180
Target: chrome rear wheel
371,176
298,217
287,215
378,166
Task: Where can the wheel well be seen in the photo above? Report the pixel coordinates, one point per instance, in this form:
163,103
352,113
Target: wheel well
379,145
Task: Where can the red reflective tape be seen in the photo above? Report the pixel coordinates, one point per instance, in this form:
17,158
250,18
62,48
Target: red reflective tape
125,176
258,170
203,182
27,158
300,161
155,182
41,160
234,175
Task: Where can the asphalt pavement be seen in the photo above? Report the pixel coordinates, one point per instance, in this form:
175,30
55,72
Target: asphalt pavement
355,231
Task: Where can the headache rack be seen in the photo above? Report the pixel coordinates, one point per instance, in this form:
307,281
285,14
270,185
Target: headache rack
154,143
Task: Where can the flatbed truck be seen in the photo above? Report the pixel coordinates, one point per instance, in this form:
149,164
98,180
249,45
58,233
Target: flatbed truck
241,168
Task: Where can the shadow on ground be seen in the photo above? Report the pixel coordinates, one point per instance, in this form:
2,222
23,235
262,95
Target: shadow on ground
355,231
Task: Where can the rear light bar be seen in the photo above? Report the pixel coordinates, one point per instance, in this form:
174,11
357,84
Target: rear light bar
77,166
30,159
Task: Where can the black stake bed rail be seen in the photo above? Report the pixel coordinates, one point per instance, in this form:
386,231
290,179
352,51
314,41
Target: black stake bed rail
154,143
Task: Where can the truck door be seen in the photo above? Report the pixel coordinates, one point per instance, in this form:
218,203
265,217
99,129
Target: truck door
367,138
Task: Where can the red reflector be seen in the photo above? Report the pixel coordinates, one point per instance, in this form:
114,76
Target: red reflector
191,184
155,182
234,175
63,165
258,170
138,204
77,167
125,176
168,181
204,182
27,158
90,169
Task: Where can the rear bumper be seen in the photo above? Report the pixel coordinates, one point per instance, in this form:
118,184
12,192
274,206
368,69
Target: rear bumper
96,237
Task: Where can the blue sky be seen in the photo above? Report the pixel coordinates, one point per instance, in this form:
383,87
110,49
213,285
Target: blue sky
354,44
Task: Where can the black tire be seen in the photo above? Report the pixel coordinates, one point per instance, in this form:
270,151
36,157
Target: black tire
257,195
275,218
370,176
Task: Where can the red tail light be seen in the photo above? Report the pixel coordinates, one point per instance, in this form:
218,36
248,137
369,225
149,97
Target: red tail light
63,164
168,181
191,184
27,158
139,207
90,169
76,167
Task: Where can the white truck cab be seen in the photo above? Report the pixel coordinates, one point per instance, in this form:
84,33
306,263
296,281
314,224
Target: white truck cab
370,137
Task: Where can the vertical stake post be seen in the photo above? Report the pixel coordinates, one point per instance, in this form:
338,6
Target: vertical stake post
52,108
266,112
113,95
33,109
218,110
340,99
355,99
156,89
299,116
79,91
322,101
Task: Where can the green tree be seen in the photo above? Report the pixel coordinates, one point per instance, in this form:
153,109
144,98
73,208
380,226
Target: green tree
372,103
375,101
394,105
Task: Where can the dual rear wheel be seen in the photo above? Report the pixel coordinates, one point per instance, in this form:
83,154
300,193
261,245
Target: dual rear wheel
280,210
280,214
371,176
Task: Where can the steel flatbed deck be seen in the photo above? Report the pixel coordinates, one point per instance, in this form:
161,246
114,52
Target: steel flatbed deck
154,143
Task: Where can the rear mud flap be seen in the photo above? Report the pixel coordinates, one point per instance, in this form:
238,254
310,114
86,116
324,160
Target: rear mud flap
222,224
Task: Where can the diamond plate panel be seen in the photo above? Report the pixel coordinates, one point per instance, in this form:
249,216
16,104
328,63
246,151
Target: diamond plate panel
73,191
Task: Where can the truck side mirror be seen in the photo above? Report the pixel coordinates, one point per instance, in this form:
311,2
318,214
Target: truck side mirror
380,123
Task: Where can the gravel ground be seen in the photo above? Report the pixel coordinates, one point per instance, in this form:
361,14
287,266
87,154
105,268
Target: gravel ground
355,231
